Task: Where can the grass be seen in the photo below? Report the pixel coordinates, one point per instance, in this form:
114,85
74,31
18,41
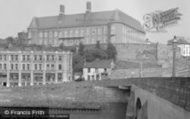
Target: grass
67,95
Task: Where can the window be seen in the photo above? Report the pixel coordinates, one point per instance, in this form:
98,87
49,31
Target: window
47,57
12,57
40,66
36,67
12,66
5,57
60,58
71,33
47,66
53,57
99,31
16,66
23,67
55,34
0,66
81,32
60,76
35,57
66,34
16,57
23,57
0,57
88,70
40,57
28,66
5,66
60,35
87,31
112,29
93,31
60,67
41,34
52,66
76,32
28,57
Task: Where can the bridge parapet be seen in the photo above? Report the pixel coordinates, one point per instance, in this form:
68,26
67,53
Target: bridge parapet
175,90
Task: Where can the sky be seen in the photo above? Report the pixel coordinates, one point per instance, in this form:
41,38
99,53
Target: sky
16,15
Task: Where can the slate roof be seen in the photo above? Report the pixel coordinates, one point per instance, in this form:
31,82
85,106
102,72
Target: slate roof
86,19
98,64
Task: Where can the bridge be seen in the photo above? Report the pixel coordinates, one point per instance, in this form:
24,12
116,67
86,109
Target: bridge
135,98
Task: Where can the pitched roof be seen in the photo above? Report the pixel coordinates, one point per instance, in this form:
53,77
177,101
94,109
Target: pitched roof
98,64
86,19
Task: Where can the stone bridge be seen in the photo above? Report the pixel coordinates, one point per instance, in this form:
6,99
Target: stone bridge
155,98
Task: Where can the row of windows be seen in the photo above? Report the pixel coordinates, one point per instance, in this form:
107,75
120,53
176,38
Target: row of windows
96,70
28,57
70,42
125,30
73,32
36,66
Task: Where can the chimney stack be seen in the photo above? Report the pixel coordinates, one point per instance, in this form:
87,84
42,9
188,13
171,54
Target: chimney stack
88,6
62,10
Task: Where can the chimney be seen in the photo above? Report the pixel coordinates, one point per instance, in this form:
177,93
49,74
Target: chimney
88,7
61,10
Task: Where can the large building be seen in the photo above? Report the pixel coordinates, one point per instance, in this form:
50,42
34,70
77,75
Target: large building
27,66
88,28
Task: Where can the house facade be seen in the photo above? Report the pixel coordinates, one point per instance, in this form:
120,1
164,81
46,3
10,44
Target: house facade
34,67
97,70
88,28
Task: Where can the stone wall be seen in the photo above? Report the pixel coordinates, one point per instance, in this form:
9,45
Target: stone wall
135,73
127,52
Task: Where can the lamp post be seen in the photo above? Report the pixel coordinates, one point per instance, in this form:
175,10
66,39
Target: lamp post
174,56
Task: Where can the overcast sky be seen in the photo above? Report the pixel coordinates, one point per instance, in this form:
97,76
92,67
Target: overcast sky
16,15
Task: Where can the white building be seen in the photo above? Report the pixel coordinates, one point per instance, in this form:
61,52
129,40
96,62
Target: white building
98,69
33,66
185,50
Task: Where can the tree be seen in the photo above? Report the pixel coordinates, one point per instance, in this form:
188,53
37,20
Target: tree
98,44
10,40
100,54
73,49
89,55
61,46
78,62
111,51
81,49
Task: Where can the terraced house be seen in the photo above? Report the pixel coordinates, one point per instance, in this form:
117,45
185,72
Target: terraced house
33,66
89,27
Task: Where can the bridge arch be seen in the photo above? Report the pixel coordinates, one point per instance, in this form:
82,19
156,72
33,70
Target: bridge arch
138,107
